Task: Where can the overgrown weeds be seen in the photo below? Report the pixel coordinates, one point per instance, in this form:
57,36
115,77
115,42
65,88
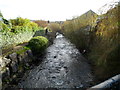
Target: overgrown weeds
100,38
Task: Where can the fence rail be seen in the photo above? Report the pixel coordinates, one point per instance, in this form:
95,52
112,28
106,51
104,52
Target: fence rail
112,83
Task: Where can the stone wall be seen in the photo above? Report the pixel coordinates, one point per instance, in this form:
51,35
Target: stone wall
13,65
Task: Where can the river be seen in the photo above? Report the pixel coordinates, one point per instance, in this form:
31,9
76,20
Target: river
63,66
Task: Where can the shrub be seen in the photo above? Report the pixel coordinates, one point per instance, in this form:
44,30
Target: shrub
5,27
16,31
21,24
19,21
38,44
33,26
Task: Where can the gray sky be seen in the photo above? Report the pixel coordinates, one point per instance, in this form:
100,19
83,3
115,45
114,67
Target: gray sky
53,10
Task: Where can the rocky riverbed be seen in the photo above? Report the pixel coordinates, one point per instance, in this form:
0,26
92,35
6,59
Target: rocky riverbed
63,66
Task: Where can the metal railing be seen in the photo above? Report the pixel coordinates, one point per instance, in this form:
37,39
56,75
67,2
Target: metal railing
111,84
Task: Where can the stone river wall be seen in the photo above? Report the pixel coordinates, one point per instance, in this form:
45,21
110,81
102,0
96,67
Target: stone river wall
14,65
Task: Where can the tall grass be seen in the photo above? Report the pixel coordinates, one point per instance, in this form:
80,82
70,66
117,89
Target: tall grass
100,39
78,29
105,50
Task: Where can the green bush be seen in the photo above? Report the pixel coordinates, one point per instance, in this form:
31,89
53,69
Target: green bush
38,44
33,26
16,31
4,27
20,25
19,21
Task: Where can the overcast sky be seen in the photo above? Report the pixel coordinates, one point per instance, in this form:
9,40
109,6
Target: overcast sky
53,10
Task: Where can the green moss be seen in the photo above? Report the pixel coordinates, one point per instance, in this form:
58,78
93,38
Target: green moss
24,49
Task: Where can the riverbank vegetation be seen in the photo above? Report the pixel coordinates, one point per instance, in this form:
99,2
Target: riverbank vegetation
15,31
53,28
19,48
106,46
78,29
99,36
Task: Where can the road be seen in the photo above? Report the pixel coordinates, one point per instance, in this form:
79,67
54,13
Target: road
63,66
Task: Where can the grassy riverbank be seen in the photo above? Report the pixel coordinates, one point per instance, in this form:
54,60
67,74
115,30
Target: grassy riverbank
99,37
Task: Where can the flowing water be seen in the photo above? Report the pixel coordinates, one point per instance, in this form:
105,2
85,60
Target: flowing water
63,66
